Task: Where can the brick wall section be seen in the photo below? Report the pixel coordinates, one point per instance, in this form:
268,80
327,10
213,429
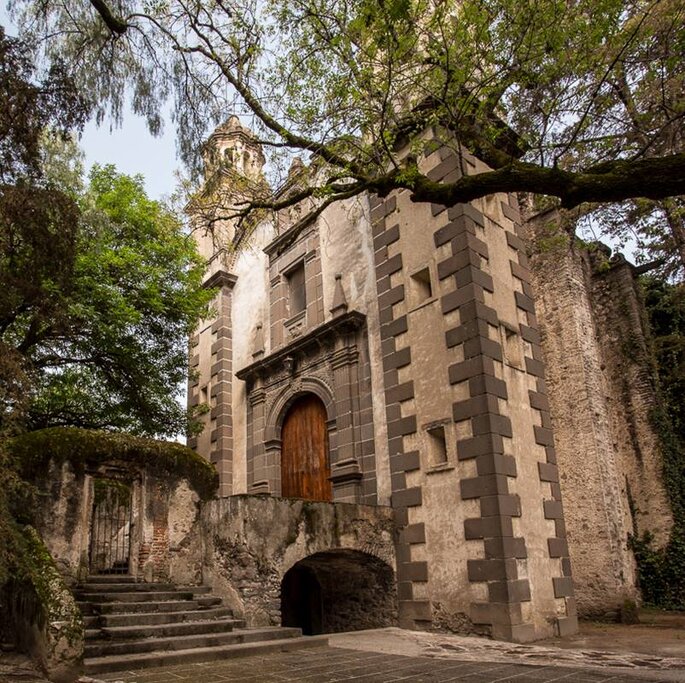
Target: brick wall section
412,612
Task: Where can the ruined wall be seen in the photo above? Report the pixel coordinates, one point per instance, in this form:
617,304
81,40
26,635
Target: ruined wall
250,542
163,512
600,396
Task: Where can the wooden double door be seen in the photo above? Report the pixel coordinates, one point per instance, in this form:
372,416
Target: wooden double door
305,468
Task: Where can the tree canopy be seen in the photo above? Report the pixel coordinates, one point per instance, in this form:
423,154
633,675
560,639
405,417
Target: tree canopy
579,101
99,286
100,331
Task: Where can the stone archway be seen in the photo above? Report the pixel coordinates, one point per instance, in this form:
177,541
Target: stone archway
339,590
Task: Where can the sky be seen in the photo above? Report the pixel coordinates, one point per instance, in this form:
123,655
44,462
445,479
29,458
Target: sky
130,148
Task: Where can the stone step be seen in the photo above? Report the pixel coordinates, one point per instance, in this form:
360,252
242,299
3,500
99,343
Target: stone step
199,603
200,654
159,596
163,630
126,587
111,578
148,618
103,648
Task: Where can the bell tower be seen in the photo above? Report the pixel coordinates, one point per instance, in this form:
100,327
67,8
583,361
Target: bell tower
233,162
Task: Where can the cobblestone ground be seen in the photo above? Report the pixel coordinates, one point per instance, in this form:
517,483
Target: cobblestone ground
331,664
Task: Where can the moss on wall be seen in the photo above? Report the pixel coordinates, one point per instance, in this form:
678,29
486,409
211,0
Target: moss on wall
42,613
88,448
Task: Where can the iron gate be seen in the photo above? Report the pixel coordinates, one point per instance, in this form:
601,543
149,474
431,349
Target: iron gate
110,536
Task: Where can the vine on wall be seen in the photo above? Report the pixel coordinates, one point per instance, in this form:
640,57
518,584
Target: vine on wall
662,570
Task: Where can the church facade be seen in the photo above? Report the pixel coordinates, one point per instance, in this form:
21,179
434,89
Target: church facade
395,354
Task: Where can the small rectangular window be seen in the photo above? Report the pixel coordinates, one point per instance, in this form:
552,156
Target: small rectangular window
422,289
437,445
297,295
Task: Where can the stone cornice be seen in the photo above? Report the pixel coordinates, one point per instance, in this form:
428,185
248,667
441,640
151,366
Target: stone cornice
221,278
318,337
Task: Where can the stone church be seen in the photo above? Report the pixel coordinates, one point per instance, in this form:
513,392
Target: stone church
414,358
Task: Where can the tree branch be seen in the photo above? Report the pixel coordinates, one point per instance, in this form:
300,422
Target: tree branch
114,24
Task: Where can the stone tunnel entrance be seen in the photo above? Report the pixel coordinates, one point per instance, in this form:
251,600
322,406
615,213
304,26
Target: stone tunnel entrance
339,590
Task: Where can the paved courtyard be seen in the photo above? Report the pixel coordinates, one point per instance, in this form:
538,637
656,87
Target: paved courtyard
330,664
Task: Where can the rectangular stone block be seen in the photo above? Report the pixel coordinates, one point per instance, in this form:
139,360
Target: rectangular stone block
402,427
491,570
456,262
468,240
471,407
414,533
387,237
538,401
476,310
548,472
407,498
535,367
390,205
517,590
413,571
398,359
443,168
473,528
397,326
467,210
563,586
530,334
543,436
392,265
506,547
457,298
558,547
404,590
482,346
496,463
566,626
519,272
473,367
472,274
486,384
511,212
495,613
473,328
391,297
405,462
507,505
524,302
488,485
413,610
485,444
401,392
491,423
515,242
553,509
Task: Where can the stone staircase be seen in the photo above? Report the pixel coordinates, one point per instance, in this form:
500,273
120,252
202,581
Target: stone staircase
131,625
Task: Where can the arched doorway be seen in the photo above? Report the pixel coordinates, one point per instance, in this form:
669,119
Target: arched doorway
339,590
305,469
301,603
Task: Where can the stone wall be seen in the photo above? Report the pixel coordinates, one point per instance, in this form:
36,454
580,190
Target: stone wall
248,543
600,392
